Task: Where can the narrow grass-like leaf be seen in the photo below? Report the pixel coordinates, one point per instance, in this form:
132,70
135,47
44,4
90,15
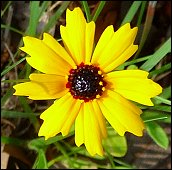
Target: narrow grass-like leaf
131,12
61,157
53,20
143,7
8,93
163,69
147,25
12,29
166,93
161,108
127,63
6,7
13,141
61,148
158,134
98,11
34,18
162,100
11,67
41,162
87,10
157,56
39,143
16,114
27,109
149,116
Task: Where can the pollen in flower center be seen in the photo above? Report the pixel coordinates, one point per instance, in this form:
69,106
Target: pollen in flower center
86,82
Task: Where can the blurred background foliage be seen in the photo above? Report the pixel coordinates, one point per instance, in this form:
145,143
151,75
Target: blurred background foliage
20,145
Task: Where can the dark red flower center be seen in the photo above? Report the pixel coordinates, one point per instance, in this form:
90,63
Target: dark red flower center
86,82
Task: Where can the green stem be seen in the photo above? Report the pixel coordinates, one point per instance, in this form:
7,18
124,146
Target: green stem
99,9
147,26
87,10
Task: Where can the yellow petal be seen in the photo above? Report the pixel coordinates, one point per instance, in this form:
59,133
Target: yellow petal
112,119
89,41
59,50
134,85
122,58
71,118
102,43
92,133
100,118
120,42
73,35
43,58
56,116
122,111
79,127
42,87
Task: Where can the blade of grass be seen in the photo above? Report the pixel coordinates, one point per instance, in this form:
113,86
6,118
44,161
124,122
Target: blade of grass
41,161
6,7
147,25
143,7
61,148
27,109
16,114
162,100
53,20
98,11
11,67
87,10
131,12
7,95
157,56
13,141
163,69
12,29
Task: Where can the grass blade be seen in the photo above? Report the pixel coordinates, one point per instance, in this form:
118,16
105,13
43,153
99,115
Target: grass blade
11,67
87,10
53,20
147,25
143,7
157,56
99,9
131,12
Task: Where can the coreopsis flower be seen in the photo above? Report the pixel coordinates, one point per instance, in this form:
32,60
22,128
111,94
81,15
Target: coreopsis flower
83,80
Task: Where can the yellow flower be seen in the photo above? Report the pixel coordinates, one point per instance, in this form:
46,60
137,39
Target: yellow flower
83,80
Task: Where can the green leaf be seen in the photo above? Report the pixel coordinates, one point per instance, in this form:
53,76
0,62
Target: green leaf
161,108
41,162
157,56
114,144
13,141
87,10
131,12
147,25
132,67
166,94
53,20
157,134
149,116
98,11
40,143
16,114
161,100
11,67
163,69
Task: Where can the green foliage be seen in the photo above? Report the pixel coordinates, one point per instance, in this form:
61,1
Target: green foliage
115,146
157,134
